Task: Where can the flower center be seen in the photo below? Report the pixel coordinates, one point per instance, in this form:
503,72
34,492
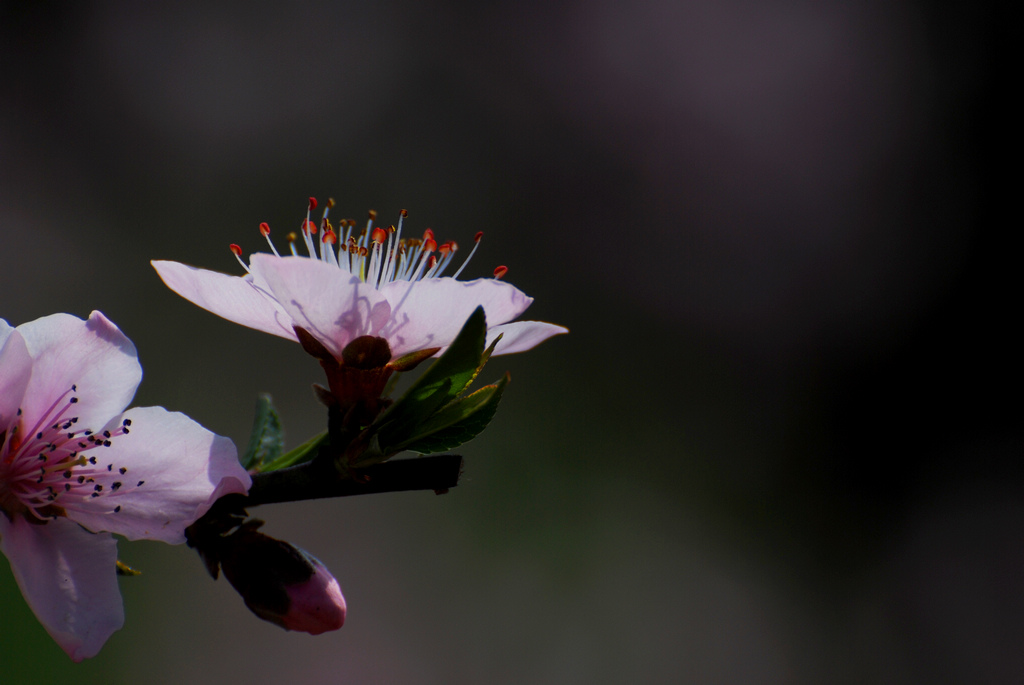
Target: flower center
375,254
54,467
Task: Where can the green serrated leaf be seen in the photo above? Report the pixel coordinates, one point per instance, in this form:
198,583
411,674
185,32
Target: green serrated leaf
395,428
438,386
486,357
459,362
459,422
266,441
301,454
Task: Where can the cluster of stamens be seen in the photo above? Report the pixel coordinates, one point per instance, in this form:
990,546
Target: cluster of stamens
375,254
53,467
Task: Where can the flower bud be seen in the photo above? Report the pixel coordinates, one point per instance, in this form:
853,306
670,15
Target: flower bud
281,583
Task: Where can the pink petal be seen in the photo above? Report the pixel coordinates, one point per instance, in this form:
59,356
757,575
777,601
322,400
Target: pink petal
332,304
5,330
520,336
68,578
430,313
93,355
231,297
183,468
15,370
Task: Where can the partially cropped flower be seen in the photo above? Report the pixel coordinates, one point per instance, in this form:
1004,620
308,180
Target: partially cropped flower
281,583
76,467
352,284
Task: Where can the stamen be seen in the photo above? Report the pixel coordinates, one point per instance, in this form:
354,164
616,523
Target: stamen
237,251
327,248
476,244
265,230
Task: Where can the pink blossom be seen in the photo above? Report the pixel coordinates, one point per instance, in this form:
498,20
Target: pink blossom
76,467
354,284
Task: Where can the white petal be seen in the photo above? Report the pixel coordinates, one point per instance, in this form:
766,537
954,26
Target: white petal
332,304
5,330
68,577
15,371
431,312
93,355
231,297
520,336
184,469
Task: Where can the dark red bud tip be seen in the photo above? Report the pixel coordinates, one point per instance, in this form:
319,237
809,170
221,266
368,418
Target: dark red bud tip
265,229
500,272
236,250
312,203
478,236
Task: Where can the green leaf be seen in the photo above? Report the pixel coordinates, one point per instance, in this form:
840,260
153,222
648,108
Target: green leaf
457,423
484,358
438,386
459,362
301,454
267,438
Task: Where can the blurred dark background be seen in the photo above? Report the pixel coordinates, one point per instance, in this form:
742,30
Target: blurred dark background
779,445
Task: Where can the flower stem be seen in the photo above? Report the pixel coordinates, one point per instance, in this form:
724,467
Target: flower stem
314,480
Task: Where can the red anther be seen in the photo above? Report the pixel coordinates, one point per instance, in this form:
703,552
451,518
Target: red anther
379,235
455,246
478,236
312,203
404,213
431,262
444,248
265,229
236,249
309,227
330,203
500,272
428,235
363,252
429,245
292,237
329,236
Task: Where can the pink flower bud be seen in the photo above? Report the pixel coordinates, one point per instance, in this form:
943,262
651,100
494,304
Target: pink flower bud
317,605
281,583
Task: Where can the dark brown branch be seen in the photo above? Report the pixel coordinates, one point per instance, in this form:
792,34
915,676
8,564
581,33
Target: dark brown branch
316,480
